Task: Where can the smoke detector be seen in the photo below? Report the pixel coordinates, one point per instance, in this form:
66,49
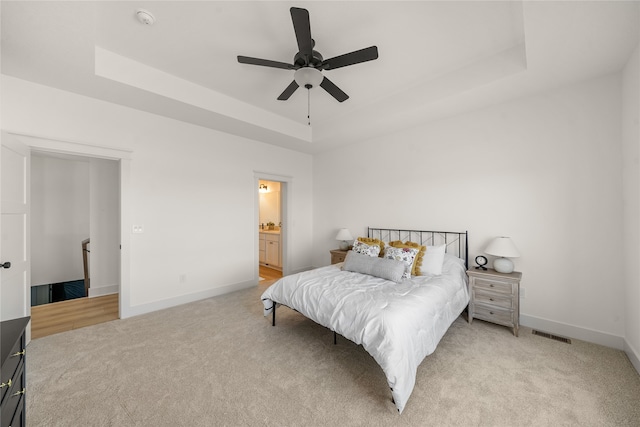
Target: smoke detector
145,17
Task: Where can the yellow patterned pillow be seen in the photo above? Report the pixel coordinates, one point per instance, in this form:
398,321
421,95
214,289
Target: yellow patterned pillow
417,262
373,242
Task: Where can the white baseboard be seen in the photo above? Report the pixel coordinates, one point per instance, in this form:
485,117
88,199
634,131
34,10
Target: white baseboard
183,299
572,331
633,355
103,290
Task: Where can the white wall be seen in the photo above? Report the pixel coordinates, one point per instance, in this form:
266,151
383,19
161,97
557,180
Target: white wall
545,170
631,211
193,190
59,219
104,256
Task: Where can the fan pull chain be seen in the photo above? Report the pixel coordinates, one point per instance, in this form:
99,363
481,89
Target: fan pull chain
309,105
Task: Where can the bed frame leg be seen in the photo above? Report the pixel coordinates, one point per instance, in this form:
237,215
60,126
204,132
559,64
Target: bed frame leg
335,338
273,319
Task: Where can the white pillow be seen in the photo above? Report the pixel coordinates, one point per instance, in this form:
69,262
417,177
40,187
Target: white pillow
432,260
451,262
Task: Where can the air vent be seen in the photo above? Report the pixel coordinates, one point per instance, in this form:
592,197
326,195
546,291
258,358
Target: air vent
550,336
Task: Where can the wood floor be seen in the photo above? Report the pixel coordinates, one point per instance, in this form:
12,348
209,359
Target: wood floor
49,319
269,273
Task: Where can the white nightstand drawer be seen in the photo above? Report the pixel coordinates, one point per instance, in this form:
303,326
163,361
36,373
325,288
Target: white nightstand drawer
495,315
493,298
493,285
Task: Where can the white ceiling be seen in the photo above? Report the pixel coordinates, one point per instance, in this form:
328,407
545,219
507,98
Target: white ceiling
436,58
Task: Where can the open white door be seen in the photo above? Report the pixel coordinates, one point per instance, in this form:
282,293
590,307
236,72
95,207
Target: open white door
14,227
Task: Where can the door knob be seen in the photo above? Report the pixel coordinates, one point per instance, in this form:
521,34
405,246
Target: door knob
5,265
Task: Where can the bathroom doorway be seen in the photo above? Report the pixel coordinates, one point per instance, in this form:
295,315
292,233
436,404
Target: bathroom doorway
270,242
270,230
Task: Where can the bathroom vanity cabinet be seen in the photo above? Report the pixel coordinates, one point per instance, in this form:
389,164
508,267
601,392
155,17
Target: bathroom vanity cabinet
270,249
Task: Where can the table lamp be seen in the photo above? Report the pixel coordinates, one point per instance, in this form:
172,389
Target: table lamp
344,235
503,248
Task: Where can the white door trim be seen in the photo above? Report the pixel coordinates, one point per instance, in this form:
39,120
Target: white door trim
44,143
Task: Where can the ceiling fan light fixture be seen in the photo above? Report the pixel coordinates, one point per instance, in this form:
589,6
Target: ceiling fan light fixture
308,76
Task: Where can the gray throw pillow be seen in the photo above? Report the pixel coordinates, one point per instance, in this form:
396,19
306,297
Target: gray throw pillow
389,269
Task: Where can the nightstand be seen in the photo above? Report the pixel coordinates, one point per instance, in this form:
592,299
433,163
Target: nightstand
337,255
495,297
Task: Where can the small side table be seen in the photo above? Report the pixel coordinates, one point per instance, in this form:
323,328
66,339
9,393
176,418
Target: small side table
495,297
337,255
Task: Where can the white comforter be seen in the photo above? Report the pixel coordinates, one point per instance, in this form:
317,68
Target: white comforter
399,324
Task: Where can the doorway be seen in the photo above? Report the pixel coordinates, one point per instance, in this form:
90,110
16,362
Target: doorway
270,242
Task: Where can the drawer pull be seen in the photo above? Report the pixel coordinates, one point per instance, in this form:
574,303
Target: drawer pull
490,299
7,384
491,312
18,393
491,285
20,353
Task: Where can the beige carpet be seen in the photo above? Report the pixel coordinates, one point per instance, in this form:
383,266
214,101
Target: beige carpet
219,362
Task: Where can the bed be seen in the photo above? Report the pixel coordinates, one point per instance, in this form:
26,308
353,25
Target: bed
398,322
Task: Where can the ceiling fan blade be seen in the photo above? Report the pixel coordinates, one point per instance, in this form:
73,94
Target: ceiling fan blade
288,91
356,57
264,62
333,90
302,27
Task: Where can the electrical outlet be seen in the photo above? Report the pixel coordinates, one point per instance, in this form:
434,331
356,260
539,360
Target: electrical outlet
522,293
137,229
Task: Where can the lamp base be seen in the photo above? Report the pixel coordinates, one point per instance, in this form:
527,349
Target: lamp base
344,245
503,265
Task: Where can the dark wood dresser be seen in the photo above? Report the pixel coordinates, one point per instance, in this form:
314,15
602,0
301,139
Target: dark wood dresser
12,372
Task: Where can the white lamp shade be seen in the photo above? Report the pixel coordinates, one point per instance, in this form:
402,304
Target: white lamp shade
343,234
502,247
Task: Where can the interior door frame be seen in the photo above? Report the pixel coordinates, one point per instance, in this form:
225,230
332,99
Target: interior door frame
286,183
123,157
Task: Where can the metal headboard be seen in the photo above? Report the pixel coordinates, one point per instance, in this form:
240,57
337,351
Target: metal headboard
456,242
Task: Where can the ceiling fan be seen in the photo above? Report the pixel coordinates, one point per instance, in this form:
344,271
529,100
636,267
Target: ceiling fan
309,63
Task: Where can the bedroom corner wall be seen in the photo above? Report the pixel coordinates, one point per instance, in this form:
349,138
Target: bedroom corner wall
544,169
631,210
191,188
